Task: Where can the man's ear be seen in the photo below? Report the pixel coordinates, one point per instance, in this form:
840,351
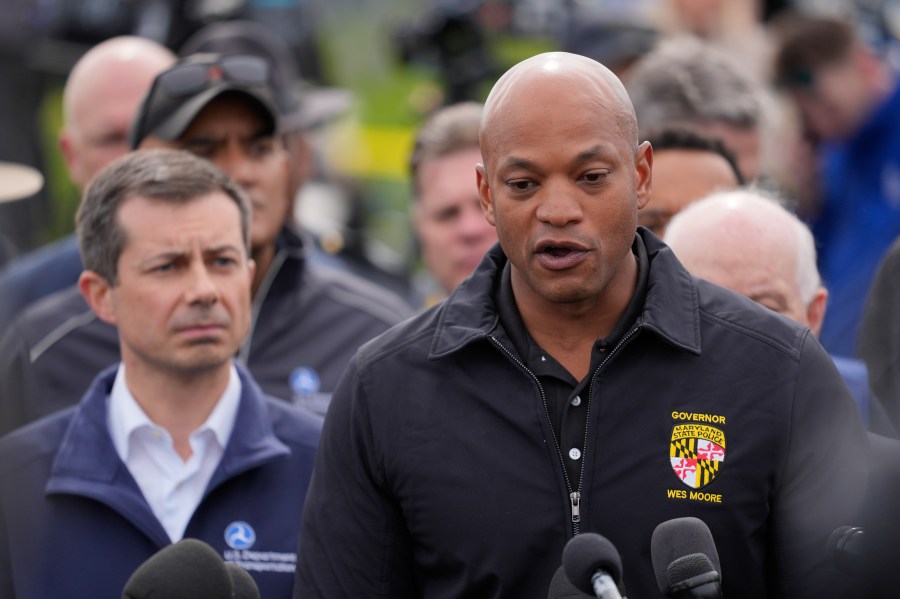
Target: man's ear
643,170
484,192
815,311
97,292
69,155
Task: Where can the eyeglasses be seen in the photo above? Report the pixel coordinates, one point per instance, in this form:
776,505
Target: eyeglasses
189,78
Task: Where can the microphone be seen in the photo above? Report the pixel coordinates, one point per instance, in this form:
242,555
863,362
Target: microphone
562,588
593,565
189,569
685,560
845,548
242,584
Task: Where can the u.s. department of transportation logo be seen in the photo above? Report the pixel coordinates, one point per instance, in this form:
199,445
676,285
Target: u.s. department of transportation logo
240,535
697,452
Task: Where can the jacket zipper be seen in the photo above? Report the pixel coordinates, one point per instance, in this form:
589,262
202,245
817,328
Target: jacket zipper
574,494
587,419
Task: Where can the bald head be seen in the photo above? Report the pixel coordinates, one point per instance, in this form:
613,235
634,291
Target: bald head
562,180
549,73
747,242
102,94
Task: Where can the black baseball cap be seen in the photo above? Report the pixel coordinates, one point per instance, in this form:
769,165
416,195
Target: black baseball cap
302,106
178,94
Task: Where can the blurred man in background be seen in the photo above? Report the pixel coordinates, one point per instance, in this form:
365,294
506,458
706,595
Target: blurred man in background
747,242
687,166
101,96
451,230
849,102
685,82
303,110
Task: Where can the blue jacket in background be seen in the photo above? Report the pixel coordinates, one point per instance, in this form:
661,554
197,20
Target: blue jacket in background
73,522
859,219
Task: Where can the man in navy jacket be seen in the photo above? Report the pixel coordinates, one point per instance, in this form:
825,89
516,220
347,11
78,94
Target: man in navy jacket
176,441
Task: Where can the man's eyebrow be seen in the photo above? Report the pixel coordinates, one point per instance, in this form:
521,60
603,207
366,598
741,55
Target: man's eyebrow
262,135
204,140
592,153
598,151
516,162
222,249
164,256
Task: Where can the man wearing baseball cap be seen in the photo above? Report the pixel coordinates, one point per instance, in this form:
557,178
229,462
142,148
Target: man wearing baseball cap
307,320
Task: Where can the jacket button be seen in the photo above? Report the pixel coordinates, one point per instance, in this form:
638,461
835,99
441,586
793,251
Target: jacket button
574,453
576,401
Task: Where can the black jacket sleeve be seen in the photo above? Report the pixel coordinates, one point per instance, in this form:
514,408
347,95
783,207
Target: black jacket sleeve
15,380
353,541
823,483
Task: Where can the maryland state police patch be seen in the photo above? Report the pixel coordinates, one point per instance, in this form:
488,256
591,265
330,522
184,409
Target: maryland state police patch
697,452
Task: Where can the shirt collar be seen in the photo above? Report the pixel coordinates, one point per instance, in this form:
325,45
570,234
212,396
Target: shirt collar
125,416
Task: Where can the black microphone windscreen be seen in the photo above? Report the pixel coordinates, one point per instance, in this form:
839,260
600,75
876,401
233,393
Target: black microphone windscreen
677,538
586,553
844,548
687,567
243,584
836,536
188,569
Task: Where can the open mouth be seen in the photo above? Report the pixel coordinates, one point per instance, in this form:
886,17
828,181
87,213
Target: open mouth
560,256
557,252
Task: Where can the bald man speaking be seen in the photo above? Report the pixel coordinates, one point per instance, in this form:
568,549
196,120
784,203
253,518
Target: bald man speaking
580,380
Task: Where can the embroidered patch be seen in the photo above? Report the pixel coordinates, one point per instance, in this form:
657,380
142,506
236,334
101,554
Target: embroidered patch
697,453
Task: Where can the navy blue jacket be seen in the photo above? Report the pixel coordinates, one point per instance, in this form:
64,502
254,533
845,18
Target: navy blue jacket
73,522
439,474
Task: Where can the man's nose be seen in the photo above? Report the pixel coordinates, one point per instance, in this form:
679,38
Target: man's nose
558,204
233,160
201,288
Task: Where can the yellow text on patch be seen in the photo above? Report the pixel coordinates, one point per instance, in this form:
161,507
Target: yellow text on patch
694,495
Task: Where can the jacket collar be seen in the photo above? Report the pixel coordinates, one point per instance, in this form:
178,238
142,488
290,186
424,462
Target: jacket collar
285,274
671,309
87,464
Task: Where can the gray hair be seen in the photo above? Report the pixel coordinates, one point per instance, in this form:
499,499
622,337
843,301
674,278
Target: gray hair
172,176
684,80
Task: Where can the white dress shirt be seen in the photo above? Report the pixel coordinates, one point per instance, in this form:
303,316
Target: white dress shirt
173,487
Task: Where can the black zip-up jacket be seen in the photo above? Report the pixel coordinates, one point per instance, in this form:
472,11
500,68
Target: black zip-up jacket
308,321
438,474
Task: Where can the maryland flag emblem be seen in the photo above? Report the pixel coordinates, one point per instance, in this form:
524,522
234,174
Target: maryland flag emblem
697,452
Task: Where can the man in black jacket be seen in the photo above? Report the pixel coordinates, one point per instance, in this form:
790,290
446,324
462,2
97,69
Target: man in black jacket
580,380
